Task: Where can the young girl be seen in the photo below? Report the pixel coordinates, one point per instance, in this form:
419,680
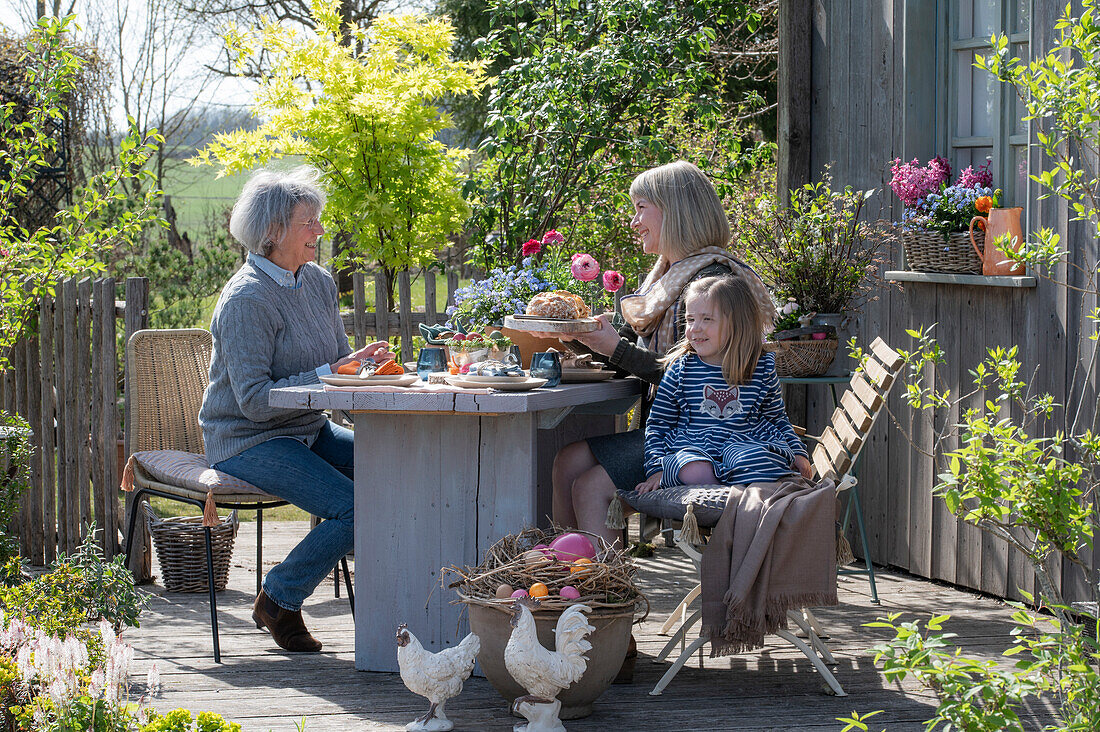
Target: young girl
718,417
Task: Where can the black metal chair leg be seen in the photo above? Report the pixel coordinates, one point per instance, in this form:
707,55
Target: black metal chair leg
259,550
135,506
213,596
347,583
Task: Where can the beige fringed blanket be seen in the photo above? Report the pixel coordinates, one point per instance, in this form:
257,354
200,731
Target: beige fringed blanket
773,550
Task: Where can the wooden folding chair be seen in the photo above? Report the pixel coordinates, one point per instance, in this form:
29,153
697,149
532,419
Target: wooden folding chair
836,451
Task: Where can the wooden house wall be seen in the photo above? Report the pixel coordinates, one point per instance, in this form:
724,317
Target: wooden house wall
875,71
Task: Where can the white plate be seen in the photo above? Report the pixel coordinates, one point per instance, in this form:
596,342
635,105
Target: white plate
494,380
387,380
525,384
575,375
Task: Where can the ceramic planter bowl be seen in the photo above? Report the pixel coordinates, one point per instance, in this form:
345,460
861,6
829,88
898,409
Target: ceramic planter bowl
609,646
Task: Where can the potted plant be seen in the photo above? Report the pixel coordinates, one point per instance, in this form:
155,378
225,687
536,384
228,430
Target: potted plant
817,257
935,225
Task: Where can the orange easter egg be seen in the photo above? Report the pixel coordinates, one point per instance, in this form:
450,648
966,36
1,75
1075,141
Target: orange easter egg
539,590
580,565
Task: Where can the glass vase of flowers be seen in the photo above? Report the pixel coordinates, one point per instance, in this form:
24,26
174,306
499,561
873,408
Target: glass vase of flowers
934,226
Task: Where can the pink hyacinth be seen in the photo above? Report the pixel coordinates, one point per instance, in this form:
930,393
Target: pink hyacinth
980,178
912,182
584,267
552,237
531,247
612,280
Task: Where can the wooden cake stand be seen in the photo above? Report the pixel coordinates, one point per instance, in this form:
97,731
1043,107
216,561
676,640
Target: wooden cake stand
535,324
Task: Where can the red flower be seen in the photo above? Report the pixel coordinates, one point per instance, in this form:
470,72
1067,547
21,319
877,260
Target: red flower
612,280
552,237
531,246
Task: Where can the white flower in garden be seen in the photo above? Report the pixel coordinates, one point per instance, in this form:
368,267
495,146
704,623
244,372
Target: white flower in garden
96,683
152,680
23,664
107,635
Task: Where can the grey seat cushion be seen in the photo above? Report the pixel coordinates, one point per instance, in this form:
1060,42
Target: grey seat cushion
672,502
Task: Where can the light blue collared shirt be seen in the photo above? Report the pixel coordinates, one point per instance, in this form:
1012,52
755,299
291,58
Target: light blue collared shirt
282,278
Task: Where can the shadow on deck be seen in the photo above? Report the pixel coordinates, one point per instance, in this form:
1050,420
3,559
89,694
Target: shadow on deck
263,688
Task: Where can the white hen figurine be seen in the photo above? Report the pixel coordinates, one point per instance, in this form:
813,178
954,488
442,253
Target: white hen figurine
435,676
545,673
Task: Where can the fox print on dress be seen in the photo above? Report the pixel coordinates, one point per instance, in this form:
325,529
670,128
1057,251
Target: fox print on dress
721,403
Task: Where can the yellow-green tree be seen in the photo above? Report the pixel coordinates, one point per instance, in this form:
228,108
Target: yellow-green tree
361,104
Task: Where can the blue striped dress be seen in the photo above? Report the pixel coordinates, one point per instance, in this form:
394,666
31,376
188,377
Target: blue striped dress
743,431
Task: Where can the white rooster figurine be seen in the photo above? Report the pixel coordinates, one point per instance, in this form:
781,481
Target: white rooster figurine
544,673
435,676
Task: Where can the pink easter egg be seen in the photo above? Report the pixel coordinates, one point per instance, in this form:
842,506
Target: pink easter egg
544,549
519,593
569,547
569,592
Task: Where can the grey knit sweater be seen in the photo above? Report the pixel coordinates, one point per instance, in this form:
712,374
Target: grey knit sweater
266,337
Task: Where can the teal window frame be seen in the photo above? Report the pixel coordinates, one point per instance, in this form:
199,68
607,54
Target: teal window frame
1009,143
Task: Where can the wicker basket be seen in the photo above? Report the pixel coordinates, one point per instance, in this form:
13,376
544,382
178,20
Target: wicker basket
799,359
935,251
181,550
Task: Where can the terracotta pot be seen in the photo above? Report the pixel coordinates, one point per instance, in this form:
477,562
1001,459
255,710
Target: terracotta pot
609,646
529,344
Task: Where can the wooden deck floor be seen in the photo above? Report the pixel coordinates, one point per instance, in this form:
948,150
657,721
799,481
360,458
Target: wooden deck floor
264,688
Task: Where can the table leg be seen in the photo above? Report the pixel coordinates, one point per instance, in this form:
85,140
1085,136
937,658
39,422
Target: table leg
431,491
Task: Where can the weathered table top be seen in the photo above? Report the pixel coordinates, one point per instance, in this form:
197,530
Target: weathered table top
314,396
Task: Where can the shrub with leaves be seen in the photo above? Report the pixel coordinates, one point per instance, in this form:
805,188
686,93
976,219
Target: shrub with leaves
73,243
77,588
15,456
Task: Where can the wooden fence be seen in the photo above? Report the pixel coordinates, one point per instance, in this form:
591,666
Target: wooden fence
381,324
64,381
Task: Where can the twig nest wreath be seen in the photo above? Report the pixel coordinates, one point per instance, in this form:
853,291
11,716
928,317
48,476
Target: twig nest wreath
596,574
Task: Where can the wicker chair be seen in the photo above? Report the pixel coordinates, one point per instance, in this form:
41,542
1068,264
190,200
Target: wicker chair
167,373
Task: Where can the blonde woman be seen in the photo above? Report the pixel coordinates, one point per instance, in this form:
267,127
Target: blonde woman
677,216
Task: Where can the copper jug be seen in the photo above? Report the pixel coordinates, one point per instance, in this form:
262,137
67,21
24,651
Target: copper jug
1000,221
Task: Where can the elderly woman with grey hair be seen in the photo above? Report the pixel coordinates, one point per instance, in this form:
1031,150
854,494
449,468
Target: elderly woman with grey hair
277,323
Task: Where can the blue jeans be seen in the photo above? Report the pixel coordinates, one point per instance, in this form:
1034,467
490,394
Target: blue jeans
317,479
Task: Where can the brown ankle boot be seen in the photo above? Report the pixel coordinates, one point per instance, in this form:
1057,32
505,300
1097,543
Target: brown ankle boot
626,671
286,626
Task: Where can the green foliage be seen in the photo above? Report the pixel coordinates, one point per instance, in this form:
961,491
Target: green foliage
367,120
179,287
1053,660
181,720
597,91
31,261
1060,92
816,251
78,588
16,450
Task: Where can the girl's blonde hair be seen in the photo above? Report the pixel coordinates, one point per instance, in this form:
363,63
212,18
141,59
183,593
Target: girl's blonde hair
693,214
742,320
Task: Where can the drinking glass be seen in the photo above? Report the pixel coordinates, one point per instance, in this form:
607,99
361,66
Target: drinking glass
547,365
431,360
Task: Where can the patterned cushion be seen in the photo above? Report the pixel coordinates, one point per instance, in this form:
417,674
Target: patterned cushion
189,470
672,502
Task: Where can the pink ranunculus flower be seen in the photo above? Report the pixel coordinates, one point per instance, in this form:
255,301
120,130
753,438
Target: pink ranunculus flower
584,267
612,280
531,247
552,237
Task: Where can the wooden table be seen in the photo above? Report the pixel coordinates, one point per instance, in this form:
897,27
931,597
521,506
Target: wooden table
440,477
